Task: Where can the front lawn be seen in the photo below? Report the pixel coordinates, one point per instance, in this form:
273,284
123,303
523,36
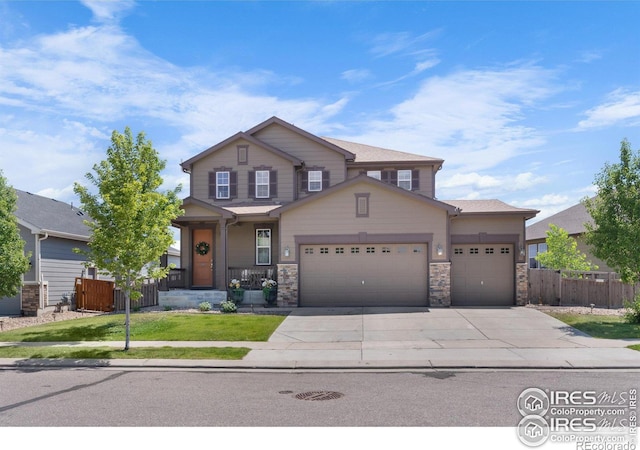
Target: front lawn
163,326
599,326
226,353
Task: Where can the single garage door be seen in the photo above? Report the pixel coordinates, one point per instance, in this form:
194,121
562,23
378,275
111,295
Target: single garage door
482,275
363,275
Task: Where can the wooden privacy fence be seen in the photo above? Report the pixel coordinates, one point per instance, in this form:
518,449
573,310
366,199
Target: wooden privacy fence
602,289
100,295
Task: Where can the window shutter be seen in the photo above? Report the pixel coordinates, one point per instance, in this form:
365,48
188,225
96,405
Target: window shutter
252,184
393,177
273,183
325,179
233,184
304,181
212,185
385,176
415,180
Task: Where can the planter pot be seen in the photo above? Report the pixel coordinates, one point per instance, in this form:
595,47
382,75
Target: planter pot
236,295
271,297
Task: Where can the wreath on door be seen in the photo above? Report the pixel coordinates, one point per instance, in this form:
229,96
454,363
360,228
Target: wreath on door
202,248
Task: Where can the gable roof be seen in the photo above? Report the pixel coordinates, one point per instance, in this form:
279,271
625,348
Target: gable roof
276,120
571,219
186,165
370,154
492,206
45,215
363,178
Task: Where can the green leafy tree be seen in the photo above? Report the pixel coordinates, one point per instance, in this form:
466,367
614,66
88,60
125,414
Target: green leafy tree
562,252
13,261
615,232
130,218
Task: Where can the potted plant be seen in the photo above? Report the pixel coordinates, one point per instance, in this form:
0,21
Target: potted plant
269,291
236,293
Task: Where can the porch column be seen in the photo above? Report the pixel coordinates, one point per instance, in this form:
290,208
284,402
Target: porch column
221,276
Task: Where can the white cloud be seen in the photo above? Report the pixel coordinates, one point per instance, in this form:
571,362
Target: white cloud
108,10
546,200
471,116
620,108
386,44
356,75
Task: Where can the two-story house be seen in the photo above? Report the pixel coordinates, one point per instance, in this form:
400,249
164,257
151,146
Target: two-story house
343,224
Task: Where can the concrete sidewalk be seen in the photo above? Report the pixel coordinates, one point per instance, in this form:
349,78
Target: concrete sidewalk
400,338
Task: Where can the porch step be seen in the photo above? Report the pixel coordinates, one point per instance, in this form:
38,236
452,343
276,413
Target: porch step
191,299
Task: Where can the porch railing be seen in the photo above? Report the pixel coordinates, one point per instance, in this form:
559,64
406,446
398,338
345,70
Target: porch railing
175,280
251,277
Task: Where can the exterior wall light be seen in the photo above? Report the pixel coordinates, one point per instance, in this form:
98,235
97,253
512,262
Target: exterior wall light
439,250
286,251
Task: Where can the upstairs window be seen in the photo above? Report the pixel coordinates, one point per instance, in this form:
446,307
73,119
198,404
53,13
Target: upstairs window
315,181
263,183
404,179
222,185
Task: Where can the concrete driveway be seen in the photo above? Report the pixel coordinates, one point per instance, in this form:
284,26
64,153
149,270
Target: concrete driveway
437,337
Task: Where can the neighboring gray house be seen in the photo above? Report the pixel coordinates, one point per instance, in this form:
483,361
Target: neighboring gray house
572,220
51,230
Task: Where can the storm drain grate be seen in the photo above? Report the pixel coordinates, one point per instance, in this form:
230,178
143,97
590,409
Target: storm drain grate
319,395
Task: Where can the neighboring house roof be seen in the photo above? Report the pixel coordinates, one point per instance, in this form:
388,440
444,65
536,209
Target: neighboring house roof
276,120
370,154
572,220
360,179
45,215
468,207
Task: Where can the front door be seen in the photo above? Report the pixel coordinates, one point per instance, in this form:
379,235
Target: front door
203,258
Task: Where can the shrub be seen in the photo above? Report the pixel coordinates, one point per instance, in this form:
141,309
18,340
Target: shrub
228,307
632,313
204,306
168,308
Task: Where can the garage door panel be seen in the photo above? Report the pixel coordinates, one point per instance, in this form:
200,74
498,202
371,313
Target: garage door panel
363,275
482,275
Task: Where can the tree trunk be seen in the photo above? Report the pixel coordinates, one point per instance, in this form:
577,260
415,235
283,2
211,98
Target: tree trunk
127,312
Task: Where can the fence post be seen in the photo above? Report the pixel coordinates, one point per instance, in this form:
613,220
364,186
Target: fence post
560,288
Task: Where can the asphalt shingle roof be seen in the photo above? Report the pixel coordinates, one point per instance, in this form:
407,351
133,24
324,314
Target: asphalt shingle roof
368,153
46,214
487,206
571,219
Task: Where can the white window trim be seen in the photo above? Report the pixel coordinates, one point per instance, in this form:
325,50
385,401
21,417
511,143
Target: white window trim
314,176
258,247
219,184
377,174
262,183
402,178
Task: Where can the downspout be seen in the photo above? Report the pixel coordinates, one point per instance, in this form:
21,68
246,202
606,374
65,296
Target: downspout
39,271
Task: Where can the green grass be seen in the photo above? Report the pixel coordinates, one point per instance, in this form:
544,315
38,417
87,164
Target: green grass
227,353
607,327
152,327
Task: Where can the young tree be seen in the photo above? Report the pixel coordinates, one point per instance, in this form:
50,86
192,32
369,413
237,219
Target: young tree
615,232
13,262
130,218
562,252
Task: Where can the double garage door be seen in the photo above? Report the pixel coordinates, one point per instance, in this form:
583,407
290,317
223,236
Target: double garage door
364,275
482,275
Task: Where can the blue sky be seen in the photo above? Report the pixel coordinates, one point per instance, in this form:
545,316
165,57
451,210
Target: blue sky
525,101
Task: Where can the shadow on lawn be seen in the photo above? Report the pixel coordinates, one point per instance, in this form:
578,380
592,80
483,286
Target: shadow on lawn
75,333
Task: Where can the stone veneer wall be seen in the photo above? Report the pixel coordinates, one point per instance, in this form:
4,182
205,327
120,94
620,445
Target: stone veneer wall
522,284
31,298
440,284
288,285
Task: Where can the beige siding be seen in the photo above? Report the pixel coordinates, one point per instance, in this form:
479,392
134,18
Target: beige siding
242,244
228,157
389,213
312,153
489,225
426,177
